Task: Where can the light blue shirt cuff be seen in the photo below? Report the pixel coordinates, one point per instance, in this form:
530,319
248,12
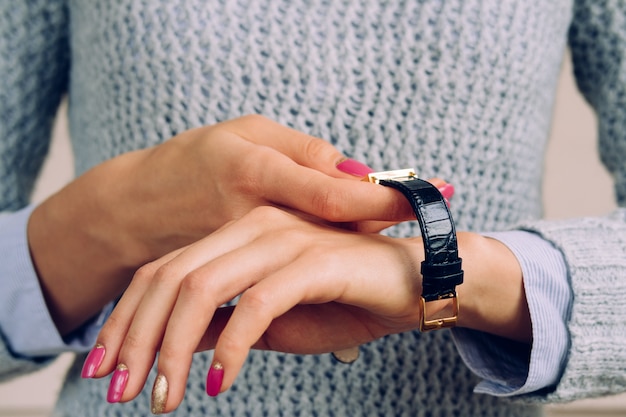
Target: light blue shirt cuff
24,317
509,368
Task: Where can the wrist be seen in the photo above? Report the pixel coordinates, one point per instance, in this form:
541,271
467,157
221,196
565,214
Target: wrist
492,298
82,257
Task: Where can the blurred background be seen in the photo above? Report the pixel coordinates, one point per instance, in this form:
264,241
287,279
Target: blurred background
572,164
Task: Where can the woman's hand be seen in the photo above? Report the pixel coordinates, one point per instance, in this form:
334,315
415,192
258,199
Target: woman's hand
276,260
305,288
88,239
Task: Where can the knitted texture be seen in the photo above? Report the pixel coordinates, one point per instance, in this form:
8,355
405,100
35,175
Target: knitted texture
34,63
460,89
442,86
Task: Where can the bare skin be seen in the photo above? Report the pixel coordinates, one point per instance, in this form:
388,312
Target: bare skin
306,288
191,209
87,240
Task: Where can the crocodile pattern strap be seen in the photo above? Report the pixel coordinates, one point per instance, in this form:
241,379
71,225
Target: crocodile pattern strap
441,268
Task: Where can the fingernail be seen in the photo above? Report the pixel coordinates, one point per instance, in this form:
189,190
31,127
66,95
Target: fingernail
159,394
118,384
447,190
93,361
214,379
352,167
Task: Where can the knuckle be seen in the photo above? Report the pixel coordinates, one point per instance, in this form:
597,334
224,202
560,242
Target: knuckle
267,215
254,120
245,126
165,273
329,204
295,236
256,302
169,353
316,148
264,221
133,343
145,272
197,287
114,325
246,175
195,282
231,344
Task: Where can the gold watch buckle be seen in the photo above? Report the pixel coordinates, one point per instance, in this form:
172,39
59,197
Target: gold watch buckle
406,174
443,322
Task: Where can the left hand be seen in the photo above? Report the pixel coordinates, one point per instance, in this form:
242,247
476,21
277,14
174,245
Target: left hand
305,288
276,260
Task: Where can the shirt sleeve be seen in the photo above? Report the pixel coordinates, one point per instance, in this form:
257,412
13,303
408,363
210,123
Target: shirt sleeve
34,73
509,368
24,318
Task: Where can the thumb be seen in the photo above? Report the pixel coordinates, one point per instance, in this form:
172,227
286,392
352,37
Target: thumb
305,150
373,226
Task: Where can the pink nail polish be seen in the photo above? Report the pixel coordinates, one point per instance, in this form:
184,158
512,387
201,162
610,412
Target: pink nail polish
118,384
447,190
352,167
214,379
93,361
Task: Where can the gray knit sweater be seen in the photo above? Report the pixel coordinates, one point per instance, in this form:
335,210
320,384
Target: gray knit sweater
461,89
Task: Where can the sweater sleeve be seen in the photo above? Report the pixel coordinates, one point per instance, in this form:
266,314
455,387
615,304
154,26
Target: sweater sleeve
34,66
594,249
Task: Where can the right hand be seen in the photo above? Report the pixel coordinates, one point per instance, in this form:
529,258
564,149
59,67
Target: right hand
87,240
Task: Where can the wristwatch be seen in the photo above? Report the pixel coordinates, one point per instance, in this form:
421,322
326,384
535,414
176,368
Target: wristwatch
441,269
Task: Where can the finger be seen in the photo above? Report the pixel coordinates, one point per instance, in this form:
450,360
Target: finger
316,328
212,333
332,199
344,271
324,325
305,182
338,200
147,326
320,322
370,226
114,331
264,302
201,292
305,150
137,346
446,189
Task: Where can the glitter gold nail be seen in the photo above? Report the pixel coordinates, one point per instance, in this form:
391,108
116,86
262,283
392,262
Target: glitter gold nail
159,394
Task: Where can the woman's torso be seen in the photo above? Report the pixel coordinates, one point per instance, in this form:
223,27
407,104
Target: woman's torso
461,90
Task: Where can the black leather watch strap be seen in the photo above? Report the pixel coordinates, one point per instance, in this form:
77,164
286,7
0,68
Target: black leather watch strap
441,269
